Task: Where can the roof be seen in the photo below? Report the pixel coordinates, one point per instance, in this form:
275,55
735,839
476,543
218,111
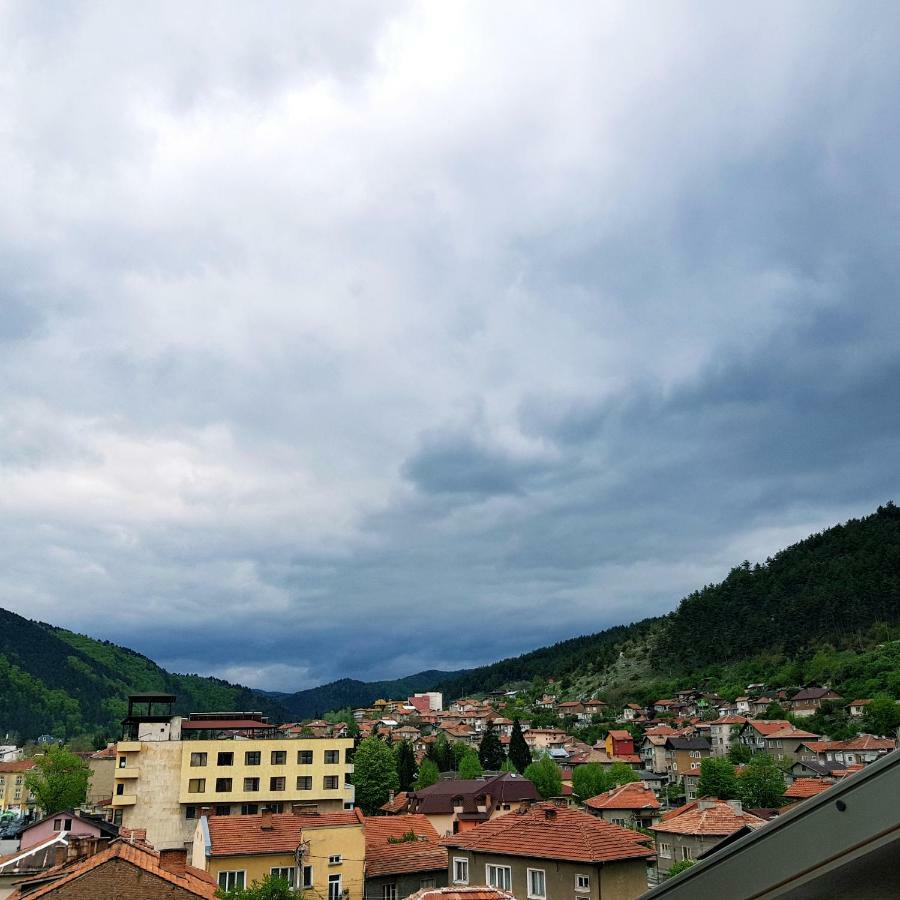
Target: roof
864,742
386,858
461,893
806,787
813,693
860,702
629,796
438,798
767,726
194,881
545,831
677,742
398,804
226,725
245,836
619,734
17,765
706,817
729,720
791,732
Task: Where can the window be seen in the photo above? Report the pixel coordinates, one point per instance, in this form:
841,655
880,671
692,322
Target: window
57,824
122,762
68,825
225,759
389,892
120,790
274,807
249,809
334,887
223,810
279,757
276,784
228,881
252,758
348,755
198,759
330,782
499,877
190,812
665,850
332,757
304,757
537,884
582,882
304,782
619,822
307,877
426,883
287,873
251,784
687,853
335,860
223,785
460,870
196,785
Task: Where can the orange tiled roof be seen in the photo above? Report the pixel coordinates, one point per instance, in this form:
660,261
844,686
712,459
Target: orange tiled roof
244,835
474,892
865,742
729,720
386,858
546,831
792,732
767,726
17,765
628,796
806,787
706,817
194,881
620,734
398,804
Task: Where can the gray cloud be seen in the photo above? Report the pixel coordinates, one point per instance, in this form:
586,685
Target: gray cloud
356,340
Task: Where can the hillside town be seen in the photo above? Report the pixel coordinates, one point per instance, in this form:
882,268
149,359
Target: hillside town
515,793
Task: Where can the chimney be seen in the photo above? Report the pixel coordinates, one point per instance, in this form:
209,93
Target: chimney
737,806
206,811
707,804
266,823
174,860
550,813
60,853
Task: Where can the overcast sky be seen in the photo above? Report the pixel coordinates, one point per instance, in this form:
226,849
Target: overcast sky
362,338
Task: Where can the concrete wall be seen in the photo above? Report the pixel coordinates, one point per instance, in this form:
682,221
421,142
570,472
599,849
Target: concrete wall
408,883
102,778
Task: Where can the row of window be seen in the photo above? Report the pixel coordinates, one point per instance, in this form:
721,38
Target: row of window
276,783
236,880
665,851
254,758
501,877
389,891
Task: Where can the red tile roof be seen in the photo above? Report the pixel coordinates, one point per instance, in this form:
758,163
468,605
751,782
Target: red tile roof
17,765
628,796
768,726
386,858
461,893
865,742
546,831
792,732
706,817
398,804
729,720
620,734
244,835
806,787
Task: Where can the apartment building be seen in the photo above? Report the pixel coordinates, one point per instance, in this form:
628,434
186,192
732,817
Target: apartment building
13,793
171,769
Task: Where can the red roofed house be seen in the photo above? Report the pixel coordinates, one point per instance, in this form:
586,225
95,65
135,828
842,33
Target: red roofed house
857,708
692,829
630,806
753,732
552,852
403,855
808,701
804,788
461,893
619,743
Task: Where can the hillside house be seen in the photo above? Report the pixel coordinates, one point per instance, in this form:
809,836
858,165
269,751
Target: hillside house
808,701
857,708
683,754
630,806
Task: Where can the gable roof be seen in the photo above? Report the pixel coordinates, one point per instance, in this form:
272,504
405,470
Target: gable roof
806,787
677,742
386,858
460,892
398,804
17,765
712,817
813,693
245,836
767,726
438,798
628,796
546,831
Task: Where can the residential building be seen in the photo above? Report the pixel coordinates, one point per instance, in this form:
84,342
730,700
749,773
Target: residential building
474,892
456,806
169,767
786,743
692,829
683,754
571,708
857,708
594,707
804,788
545,738
753,732
549,852
66,823
321,854
103,775
629,806
723,732
653,753
435,700
403,855
619,743
864,748
13,793
809,700
10,753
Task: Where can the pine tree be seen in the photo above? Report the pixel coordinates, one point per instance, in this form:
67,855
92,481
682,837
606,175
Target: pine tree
519,751
428,774
490,751
406,765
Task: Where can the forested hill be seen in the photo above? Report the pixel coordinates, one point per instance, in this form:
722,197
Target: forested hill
53,681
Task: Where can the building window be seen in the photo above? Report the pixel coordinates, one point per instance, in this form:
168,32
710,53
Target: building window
537,884
225,759
279,757
330,783
304,782
68,825
619,822
196,785
252,758
499,877
122,762
582,883
251,784
334,887
460,870
229,881
304,757
335,860
198,759
223,785
348,755
120,790
687,853
285,872
332,758
57,824
389,892
249,809
426,883
190,812
223,810
276,784
665,850
277,808
307,877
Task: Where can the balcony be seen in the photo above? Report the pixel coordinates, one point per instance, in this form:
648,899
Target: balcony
128,746
124,800
129,772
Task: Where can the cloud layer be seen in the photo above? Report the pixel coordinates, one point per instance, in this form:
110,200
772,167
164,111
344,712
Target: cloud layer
358,339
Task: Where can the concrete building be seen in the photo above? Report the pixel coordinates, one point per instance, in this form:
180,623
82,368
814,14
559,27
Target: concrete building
630,806
723,732
13,793
169,768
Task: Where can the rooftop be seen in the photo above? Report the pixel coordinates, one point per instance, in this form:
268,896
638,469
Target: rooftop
280,833
386,858
628,796
701,817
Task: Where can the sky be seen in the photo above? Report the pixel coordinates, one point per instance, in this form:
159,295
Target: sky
355,339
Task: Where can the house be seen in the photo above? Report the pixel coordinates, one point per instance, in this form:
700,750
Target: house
742,704
238,850
121,870
653,753
629,806
753,732
13,793
65,823
552,852
759,706
857,708
572,709
545,738
683,754
457,892
809,700
805,768
594,707
786,743
403,855
864,748
661,707
690,780
619,743
692,829
804,788
455,806
722,732
548,701
630,712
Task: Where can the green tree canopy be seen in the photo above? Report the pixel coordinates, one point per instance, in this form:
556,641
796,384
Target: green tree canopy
441,754
679,866
271,888
470,765
544,774
739,754
717,779
620,773
374,774
490,751
428,774
60,780
882,717
406,765
588,781
519,751
761,783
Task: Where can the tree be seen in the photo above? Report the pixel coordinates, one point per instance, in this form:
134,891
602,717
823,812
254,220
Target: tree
588,781
271,888
717,779
761,783
508,766
546,777
519,751
620,773
774,711
470,765
406,765
882,717
374,774
60,780
680,866
457,751
428,774
441,754
490,750
739,754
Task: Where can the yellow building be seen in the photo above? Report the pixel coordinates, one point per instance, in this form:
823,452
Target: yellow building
13,793
324,855
172,770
